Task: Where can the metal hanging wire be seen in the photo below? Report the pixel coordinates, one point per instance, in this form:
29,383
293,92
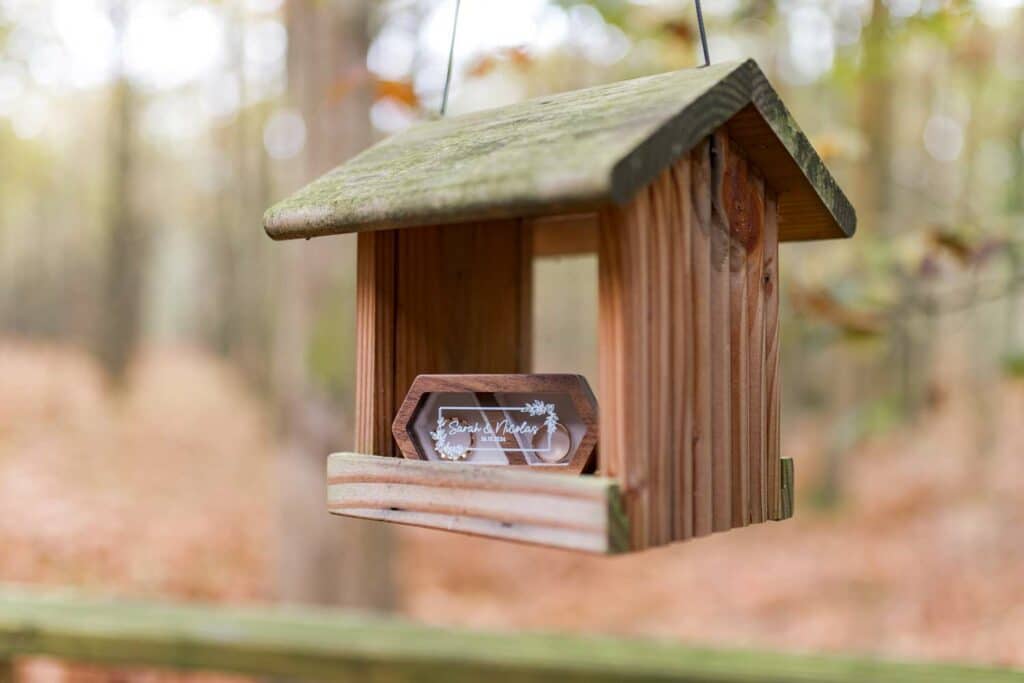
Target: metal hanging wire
451,59
703,34
455,28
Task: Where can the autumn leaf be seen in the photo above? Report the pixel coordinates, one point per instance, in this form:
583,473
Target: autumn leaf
954,244
402,91
482,66
680,30
821,304
517,56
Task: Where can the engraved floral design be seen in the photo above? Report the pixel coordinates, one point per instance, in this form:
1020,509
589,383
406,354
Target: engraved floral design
455,452
447,450
538,408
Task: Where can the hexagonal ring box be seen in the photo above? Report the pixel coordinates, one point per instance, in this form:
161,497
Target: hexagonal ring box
547,422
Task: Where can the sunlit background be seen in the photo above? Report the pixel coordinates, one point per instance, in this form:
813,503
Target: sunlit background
170,379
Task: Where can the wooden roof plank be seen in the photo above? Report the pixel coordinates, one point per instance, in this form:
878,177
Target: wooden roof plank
568,153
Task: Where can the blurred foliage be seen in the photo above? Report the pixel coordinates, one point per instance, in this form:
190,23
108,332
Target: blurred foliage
1013,364
332,344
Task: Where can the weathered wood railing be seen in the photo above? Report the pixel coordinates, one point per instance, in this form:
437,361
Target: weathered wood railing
302,644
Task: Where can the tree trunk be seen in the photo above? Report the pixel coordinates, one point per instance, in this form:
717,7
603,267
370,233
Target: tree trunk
875,182
121,315
323,559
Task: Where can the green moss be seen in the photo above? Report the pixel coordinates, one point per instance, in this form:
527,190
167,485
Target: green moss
551,155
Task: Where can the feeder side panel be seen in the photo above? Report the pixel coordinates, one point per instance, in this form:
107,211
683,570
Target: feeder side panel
688,316
376,400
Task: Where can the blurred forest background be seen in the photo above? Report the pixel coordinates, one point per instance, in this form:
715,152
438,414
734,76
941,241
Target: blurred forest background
171,380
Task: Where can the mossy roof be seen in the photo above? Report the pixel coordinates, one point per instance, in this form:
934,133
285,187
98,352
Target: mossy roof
571,152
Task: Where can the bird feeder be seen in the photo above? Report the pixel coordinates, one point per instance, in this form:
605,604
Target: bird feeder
683,184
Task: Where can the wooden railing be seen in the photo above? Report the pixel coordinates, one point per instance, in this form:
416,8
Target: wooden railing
320,645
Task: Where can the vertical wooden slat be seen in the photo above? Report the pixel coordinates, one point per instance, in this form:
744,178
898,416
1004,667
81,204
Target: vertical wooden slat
617,361
666,226
681,369
758,401
639,407
526,297
743,230
770,282
459,304
657,344
647,333
611,352
721,352
375,350
700,316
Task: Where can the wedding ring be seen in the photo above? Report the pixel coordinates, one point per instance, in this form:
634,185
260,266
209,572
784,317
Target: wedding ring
555,450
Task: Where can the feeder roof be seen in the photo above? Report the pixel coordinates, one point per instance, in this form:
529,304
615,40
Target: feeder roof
571,152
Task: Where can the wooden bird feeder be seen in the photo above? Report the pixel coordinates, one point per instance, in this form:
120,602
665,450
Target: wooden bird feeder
683,184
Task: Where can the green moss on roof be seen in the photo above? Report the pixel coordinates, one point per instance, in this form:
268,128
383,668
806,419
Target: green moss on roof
555,154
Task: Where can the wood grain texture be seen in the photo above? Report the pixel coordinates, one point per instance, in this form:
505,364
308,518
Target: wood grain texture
663,226
376,401
773,379
681,368
624,447
745,216
721,342
316,644
461,302
570,152
757,397
577,513
566,235
653,338
574,386
699,293
443,299
525,297
685,404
